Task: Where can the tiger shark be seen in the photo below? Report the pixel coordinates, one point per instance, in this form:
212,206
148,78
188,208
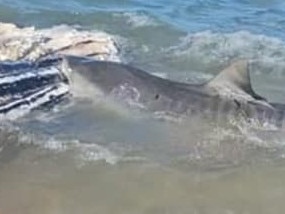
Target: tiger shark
230,93
25,86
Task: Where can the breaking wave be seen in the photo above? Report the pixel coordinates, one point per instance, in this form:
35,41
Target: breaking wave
12,138
218,49
137,20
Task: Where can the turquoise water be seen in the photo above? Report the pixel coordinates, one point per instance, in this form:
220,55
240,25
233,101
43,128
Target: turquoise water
170,36
93,159
258,16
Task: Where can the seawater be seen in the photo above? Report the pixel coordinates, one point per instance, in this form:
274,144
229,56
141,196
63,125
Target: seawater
99,158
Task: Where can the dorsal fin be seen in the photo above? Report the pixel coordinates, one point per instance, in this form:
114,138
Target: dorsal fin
237,77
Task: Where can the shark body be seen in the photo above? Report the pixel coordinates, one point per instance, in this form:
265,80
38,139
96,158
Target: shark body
25,86
229,93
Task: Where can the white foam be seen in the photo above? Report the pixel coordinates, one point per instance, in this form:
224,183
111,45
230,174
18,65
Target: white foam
94,152
160,74
137,20
220,48
84,153
54,145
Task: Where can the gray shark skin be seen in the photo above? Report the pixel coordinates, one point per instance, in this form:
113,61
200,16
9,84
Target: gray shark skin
229,93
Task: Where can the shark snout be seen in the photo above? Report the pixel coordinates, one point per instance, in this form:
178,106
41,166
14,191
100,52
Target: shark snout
72,61
70,64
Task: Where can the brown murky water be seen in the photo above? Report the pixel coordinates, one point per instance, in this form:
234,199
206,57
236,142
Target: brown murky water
50,183
156,170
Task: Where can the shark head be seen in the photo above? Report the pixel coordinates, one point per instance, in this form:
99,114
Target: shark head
118,81
103,75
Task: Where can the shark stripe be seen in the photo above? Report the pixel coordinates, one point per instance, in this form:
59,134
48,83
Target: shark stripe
229,94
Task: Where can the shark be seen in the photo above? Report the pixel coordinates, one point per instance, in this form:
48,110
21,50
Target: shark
25,86
230,93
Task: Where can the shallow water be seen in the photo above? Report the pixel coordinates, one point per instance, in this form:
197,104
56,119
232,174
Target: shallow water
86,157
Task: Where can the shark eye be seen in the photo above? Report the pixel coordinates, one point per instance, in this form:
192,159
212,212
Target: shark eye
156,96
237,103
